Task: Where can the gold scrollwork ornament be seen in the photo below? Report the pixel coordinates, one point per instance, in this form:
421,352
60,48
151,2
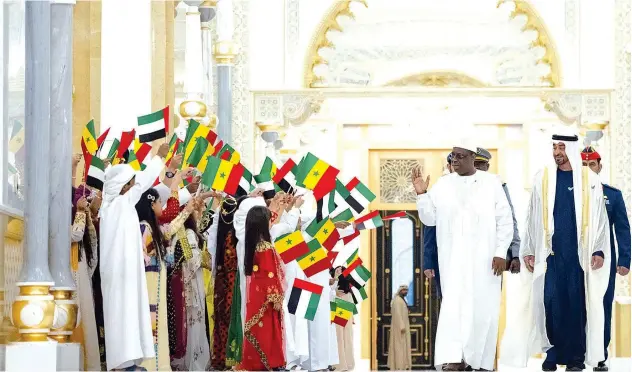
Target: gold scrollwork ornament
32,311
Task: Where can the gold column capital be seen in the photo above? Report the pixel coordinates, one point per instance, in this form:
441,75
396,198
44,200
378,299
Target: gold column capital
192,109
225,51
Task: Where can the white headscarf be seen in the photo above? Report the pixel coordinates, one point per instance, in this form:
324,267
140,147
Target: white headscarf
573,152
115,178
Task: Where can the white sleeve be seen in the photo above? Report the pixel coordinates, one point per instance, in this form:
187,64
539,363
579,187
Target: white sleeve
291,218
145,180
346,231
239,220
504,221
279,229
426,209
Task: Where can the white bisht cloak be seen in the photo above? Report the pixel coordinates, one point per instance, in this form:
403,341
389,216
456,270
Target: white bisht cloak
474,225
525,334
126,314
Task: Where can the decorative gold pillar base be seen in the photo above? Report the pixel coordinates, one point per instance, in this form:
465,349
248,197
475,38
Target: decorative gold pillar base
32,311
65,317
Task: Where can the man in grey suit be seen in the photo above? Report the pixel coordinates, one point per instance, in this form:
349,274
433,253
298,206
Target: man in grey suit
481,162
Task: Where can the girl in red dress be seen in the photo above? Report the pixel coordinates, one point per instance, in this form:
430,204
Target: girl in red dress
263,331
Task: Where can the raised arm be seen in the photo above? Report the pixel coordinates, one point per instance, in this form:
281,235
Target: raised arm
146,179
78,227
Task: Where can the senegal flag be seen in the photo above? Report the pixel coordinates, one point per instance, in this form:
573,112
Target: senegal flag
17,137
291,246
89,139
315,261
325,232
264,178
344,312
316,175
228,153
332,310
174,146
221,175
194,130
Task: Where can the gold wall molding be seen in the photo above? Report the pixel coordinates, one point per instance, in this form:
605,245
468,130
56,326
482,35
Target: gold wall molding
342,8
320,40
544,40
442,79
15,230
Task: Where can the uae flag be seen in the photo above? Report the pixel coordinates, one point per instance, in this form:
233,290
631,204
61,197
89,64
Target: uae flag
304,299
325,232
346,216
359,195
281,177
357,272
264,178
353,238
222,175
358,294
245,184
394,216
315,261
316,175
153,126
96,173
344,312
369,221
291,246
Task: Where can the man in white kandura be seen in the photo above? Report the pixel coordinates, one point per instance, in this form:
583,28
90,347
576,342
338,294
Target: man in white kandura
474,229
129,338
565,246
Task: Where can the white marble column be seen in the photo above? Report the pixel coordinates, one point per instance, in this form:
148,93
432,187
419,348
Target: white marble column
60,211
60,139
33,308
225,51
207,14
126,46
37,142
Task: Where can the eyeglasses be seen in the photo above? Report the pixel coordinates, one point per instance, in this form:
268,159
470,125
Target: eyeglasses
459,156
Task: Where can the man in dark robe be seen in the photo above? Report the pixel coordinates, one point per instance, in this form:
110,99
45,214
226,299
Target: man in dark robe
565,247
619,224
